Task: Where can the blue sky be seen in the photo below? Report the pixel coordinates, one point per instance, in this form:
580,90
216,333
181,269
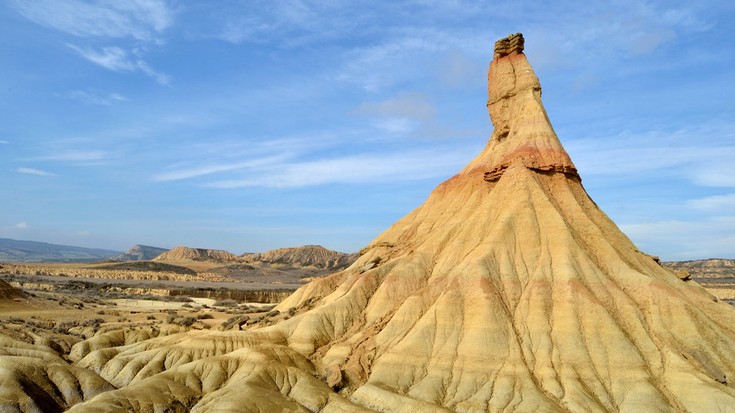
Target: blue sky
254,125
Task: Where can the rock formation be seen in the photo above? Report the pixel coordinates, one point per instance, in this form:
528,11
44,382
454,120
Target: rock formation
139,253
7,292
710,268
182,253
508,290
305,256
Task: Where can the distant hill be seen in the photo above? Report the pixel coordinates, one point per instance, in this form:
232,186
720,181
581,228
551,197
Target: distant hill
8,293
314,256
140,253
709,268
182,253
32,251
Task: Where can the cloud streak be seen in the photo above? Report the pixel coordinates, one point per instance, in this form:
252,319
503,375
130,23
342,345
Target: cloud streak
721,203
707,237
94,98
141,20
74,156
198,171
118,60
137,19
356,169
33,171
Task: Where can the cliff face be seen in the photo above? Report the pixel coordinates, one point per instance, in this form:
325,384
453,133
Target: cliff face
508,290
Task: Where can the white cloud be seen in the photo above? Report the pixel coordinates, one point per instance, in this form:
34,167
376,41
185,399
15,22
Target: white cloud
258,21
197,171
397,126
718,170
20,225
142,20
119,60
660,150
138,19
74,156
33,171
161,78
113,58
724,203
365,168
94,98
686,239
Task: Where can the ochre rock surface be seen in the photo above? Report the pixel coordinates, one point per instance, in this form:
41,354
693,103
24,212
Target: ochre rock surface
303,256
182,253
508,290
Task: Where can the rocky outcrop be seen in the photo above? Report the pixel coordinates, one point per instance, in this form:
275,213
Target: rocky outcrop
522,132
182,253
139,253
513,44
8,292
305,256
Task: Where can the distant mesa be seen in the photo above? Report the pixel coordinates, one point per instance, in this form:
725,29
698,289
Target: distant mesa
304,256
140,253
182,253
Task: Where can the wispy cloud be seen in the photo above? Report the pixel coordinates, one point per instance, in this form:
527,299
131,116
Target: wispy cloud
364,168
696,238
33,171
258,21
723,203
113,58
196,171
2,142
119,60
20,225
95,98
138,19
675,151
141,20
74,156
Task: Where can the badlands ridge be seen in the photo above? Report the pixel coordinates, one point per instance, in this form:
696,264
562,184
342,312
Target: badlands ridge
508,290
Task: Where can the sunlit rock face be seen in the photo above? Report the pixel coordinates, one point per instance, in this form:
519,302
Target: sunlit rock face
508,290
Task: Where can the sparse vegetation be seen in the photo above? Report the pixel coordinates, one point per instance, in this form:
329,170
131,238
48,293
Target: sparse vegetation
225,303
